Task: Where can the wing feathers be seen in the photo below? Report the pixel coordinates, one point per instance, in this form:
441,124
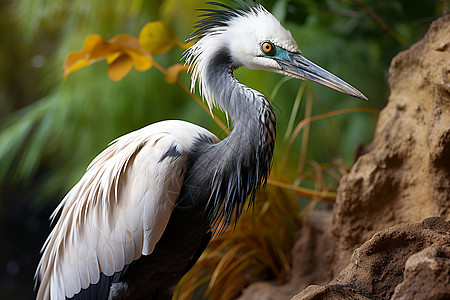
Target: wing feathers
118,210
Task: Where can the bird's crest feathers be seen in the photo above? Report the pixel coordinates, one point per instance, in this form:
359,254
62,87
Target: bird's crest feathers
236,34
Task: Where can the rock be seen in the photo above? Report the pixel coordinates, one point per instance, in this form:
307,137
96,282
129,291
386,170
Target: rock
316,247
405,176
427,275
377,268
314,292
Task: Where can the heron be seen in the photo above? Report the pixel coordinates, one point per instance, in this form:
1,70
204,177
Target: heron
149,204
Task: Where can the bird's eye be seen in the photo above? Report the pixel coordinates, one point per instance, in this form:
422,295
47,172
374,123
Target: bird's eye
268,48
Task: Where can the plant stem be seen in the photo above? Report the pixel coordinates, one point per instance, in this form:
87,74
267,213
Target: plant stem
305,192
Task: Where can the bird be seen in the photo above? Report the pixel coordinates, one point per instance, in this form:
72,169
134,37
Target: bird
149,204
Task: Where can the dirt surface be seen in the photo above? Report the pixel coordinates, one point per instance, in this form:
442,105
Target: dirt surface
404,178
377,267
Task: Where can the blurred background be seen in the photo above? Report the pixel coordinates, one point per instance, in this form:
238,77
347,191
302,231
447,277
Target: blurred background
51,127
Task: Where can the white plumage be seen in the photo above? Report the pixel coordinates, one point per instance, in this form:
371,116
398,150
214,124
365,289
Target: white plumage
118,210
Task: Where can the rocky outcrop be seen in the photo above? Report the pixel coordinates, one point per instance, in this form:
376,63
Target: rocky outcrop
377,268
405,177
394,205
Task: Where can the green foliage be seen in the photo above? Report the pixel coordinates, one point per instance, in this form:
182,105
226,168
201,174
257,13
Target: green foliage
50,143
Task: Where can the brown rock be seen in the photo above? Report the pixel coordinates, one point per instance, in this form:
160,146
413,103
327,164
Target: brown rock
427,275
335,292
405,177
316,246
377,267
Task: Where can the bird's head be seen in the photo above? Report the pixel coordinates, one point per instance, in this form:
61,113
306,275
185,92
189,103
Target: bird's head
251,36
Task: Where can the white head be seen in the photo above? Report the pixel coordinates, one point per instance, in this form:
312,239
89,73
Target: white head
252,37
249,37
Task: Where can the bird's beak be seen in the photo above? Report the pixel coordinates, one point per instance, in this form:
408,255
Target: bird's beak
296,65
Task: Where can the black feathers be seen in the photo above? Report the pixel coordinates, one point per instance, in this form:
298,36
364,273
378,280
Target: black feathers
101,289
171,152
217,17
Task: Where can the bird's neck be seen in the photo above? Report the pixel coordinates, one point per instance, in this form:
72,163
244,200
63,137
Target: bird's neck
242,161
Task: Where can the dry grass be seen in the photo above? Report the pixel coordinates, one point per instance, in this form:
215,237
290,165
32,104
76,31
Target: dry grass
257,249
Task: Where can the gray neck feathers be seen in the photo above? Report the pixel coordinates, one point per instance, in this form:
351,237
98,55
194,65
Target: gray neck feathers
237,165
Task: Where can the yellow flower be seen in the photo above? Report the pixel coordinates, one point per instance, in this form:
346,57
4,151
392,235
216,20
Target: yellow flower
122,52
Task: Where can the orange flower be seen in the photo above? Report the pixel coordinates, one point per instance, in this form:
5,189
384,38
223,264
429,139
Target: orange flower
122,52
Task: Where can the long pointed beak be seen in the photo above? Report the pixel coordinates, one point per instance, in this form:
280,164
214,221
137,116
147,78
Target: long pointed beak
298,66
